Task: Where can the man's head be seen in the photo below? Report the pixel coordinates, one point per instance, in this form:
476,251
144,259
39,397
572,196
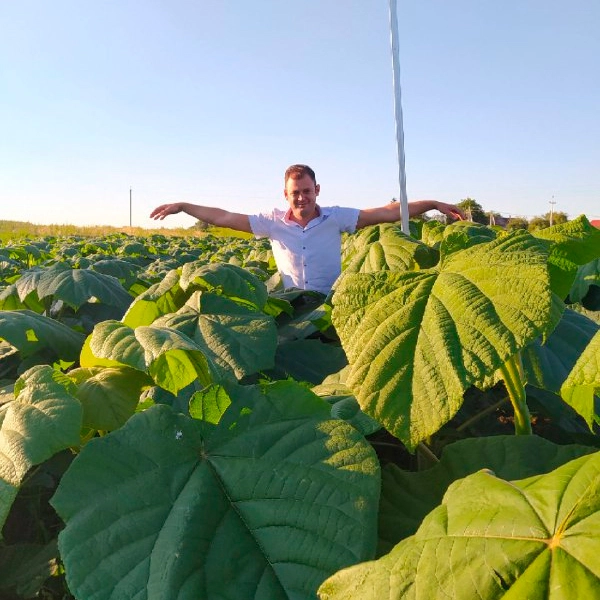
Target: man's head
301,191
299,171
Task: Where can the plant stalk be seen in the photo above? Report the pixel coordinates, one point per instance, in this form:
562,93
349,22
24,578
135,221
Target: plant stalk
512,373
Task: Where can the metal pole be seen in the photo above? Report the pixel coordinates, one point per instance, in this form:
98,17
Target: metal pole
130,208
552,203
398,115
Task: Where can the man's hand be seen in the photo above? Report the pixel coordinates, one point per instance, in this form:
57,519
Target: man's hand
164,210
451,210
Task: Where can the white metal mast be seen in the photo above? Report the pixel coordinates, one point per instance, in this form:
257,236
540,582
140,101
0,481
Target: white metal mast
398,115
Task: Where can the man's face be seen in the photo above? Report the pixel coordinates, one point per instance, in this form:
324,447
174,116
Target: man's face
301,195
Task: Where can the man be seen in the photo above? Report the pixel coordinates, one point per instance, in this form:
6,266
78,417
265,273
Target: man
305,238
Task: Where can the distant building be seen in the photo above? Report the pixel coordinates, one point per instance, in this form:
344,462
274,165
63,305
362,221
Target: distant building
596,223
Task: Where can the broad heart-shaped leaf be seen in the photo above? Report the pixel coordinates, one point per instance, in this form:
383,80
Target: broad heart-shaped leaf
108,395
171,358
464,234
209,404
388,249
432,233
10,300
126,272
588,277
75,287
25,567
276,498
538,539
574,243
308,360
32,333
28,282
162,298
416,341
43,419
583,383
407,497
547,365
241,344
228,280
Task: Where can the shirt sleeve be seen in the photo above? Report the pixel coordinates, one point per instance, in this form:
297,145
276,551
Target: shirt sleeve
261,225
347,218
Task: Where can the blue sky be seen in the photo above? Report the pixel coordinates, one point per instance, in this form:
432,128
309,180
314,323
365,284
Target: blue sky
209,101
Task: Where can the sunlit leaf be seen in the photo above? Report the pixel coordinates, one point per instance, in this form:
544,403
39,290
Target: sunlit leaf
274,499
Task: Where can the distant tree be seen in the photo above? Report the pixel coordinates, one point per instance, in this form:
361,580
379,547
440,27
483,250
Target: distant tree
517,223
557,217
538,223
473,210
200,225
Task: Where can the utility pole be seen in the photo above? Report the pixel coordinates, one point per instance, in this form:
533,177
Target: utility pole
130,208
552,203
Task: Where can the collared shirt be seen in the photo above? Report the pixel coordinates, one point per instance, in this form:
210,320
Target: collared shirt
308,257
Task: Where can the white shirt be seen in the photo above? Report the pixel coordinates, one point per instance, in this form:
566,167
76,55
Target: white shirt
308,257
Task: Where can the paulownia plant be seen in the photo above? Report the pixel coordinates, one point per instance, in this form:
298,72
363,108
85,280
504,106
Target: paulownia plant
536,538
263,497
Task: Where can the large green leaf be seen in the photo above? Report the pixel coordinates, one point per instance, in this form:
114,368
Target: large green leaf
386,248
123,270
432,233
268,503
28,282
583,383
25,567
32,333
464,234
43,419
308,360
228,280
538,539
75,287
108,395
573,244
171,358
548,364
241,344
343,404
586,287
162,298
416,341
407,497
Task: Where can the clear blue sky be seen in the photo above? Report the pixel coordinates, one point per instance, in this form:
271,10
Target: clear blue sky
209,101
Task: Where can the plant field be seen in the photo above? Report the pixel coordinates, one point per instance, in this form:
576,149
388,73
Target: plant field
175,425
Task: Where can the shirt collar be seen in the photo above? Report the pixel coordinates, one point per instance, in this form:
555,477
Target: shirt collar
288,221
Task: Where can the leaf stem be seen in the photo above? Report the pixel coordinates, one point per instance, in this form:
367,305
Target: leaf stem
486,411
512,372
427,452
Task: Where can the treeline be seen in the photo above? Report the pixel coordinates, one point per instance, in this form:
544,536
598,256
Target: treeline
477,214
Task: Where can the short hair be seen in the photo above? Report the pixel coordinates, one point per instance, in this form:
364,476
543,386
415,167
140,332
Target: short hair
299,171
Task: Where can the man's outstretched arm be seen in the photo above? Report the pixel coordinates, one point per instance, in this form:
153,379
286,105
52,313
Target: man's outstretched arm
390,213
208,214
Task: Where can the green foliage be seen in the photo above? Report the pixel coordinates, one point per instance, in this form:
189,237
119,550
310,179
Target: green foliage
473,210
417,341
490,538
517,223
263,504
163,385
